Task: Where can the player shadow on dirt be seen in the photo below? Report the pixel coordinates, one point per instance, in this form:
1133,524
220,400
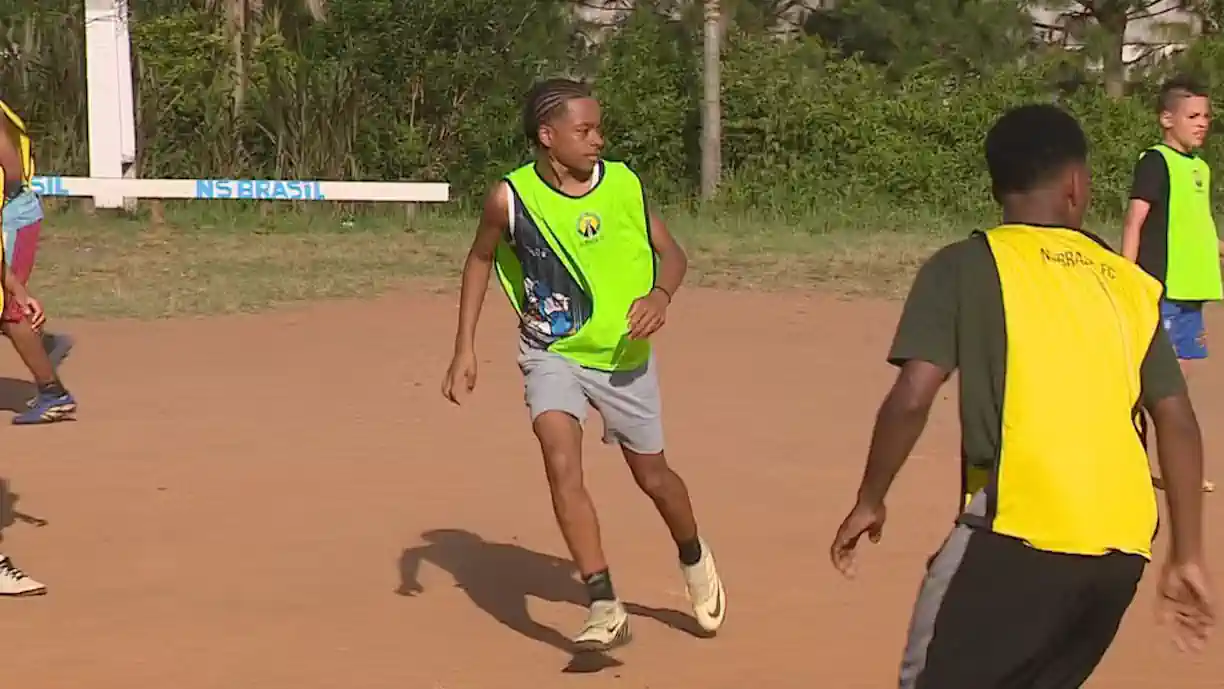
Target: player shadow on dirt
499,577
15,393
9,514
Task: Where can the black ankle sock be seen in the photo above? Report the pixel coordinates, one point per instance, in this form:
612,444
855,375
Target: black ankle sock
599,586
52,389
690,552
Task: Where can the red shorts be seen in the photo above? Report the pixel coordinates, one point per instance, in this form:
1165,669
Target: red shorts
21,263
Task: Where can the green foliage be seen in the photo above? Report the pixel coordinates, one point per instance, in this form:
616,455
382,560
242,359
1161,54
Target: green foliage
430,90
651,115
42,75
935,36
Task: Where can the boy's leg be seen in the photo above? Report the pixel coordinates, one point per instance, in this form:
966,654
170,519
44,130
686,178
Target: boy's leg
993,612
53,402
57,346
631,406
558,406
1187,330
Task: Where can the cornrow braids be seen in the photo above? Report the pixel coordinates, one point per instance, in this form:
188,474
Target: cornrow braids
546,100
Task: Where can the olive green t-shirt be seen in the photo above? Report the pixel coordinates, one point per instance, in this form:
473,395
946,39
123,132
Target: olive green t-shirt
953,318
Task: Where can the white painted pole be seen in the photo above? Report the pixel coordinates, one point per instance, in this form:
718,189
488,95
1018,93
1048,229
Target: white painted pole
103,94
127,100
123,74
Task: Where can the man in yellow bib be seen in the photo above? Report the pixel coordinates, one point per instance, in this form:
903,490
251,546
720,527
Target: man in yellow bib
1169,228
590,272
1059,349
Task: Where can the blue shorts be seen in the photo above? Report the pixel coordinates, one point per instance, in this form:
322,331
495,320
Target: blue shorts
1183,321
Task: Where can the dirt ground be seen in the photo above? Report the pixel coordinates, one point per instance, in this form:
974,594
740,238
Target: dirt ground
263,495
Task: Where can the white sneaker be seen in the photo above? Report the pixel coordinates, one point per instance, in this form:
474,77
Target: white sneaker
607,626
705,591
14,582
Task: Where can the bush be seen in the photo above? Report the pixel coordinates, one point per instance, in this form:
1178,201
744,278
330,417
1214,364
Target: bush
429,90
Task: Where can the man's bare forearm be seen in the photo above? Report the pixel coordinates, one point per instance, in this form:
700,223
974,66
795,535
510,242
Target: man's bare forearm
1179,449
897,429
475,282
10,161
672,267
1132,228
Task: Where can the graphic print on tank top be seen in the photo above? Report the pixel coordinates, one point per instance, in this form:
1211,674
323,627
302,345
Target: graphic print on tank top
555,305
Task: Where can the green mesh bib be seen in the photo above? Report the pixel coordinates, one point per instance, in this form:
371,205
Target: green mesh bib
1193,272
573,265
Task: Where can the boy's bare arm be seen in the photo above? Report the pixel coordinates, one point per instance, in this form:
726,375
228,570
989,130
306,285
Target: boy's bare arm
900,421
673,262
461,375
649,312
1179,451
10,159
6,276
479,265
1132,226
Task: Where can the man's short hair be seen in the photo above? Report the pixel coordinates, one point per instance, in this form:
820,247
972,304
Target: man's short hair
1031,144
1177,88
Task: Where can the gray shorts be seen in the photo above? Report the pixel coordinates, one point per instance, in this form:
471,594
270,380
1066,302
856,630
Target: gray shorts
628,401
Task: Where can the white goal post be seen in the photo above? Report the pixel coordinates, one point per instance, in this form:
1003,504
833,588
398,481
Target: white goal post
112,141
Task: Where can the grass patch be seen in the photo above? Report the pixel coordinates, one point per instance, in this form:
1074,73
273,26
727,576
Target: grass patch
206,258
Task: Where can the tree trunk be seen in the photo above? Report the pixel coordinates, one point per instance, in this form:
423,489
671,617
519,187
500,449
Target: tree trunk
1114,64
711,110
238,12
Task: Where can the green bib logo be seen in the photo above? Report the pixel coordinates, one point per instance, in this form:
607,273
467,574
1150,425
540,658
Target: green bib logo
588,225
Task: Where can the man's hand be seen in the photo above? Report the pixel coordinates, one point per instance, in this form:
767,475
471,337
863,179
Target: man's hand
31,306
863,519
34,309
648,314
1185,603
460,378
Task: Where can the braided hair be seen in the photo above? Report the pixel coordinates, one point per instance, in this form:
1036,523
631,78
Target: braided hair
546,100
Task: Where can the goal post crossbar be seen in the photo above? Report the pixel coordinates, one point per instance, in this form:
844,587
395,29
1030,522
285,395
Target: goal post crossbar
112,141
243,189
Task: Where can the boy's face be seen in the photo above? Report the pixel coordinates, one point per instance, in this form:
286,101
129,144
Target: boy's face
573,137
1187,121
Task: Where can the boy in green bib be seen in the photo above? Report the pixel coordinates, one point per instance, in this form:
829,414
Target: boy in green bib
590,272
1169,229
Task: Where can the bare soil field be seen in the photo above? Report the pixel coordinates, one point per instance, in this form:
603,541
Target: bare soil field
284,501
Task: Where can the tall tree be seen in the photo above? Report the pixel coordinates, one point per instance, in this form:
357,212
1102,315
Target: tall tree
954,36
711,104
783,18
1209,13
1102,29
241,21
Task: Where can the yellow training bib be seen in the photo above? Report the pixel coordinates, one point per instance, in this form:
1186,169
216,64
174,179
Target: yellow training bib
1072,473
